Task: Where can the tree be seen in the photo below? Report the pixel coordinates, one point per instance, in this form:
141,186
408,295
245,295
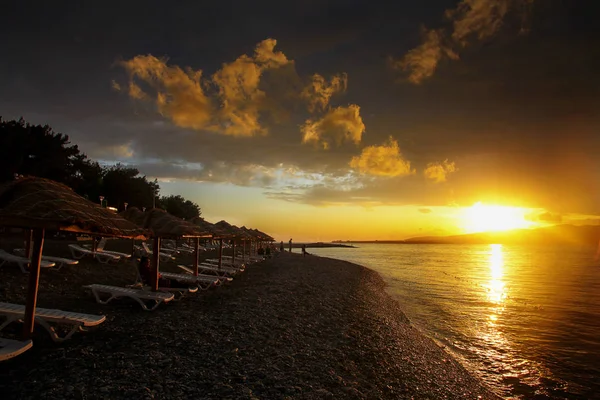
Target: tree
180,207
122,184
36,150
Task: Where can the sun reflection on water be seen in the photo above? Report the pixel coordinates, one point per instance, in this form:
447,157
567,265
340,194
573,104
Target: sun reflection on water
496,287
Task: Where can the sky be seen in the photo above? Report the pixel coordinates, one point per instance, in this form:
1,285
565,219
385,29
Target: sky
326,120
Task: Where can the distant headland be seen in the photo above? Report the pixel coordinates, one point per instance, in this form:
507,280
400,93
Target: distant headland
558,234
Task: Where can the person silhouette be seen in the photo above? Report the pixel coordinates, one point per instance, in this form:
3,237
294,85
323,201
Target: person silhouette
290,245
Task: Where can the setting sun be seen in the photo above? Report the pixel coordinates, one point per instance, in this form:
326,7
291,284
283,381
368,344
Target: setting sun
485,218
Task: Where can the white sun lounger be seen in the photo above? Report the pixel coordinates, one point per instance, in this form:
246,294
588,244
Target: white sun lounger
100,249
225,264
21,261
221,279
162,256
12,348
79,252
115,292
203,281
59,261
44,317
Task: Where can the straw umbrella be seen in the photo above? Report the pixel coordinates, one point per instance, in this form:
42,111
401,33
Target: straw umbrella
235,233
161,224
40,204
218,232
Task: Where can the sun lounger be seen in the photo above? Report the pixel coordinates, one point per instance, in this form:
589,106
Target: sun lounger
115,292
100,248
12,348
59,261
23,262
44,317
79,252
162,256
222,279
225,264
203,281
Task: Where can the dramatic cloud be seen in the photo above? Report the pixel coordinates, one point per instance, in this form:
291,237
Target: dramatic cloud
383,160
234,100
238,82
338,125
438,172
318,92
471,19
422,61
178,94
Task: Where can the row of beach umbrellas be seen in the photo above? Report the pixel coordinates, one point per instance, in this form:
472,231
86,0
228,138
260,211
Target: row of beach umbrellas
38,205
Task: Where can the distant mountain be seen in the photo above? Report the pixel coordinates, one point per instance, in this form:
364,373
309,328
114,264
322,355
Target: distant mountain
585,234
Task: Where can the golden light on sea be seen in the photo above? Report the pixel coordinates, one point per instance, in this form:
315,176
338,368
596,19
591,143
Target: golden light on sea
496,286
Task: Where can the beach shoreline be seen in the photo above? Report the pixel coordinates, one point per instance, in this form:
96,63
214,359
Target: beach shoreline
289,327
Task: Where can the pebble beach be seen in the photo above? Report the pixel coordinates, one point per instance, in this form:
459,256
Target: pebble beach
288,327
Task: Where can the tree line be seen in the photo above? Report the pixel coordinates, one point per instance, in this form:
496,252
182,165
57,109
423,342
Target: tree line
37,150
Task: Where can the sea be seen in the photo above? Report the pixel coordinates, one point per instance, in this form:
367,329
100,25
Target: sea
525,319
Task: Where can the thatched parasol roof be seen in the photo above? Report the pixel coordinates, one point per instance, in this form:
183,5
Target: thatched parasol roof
216,231
134,215
266,237
258,234
33,202
233,230
162,224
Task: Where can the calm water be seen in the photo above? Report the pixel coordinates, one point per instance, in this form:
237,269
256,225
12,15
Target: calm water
525,319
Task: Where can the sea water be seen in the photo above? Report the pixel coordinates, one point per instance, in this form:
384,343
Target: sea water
526,319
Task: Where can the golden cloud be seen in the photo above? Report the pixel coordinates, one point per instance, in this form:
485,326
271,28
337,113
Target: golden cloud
318,92
241,100
115,86
479,19
438,172
422,61
233,100
385,160
178,93
338,125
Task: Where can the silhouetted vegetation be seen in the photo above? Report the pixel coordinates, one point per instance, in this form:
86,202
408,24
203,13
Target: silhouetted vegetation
37,150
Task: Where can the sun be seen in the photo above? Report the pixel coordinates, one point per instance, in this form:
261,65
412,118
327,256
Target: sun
485,218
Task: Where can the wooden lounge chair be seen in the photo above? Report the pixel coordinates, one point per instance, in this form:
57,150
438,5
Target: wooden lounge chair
12,348
21,261
79,252
141,296
223,276
44,317
59,261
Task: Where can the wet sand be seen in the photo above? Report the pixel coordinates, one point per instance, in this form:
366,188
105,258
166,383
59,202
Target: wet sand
289,327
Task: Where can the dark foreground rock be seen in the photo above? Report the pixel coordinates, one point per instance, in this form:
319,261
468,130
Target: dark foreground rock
290,327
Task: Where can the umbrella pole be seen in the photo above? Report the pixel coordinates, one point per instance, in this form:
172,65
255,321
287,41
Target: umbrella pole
220,253
233,255
155,262
196,254
34,280
28,240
